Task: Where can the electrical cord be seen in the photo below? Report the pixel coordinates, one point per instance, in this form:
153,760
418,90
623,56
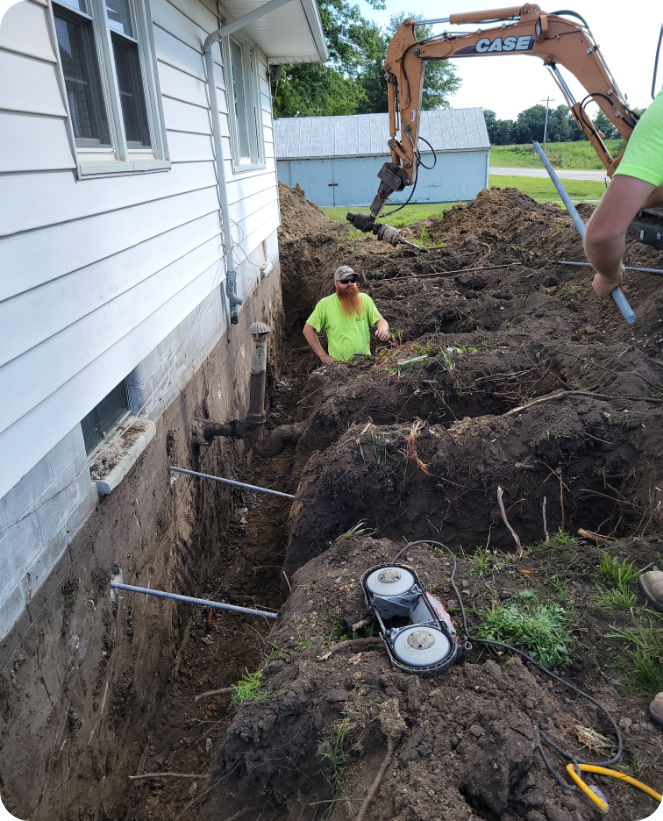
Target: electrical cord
564,753
420,162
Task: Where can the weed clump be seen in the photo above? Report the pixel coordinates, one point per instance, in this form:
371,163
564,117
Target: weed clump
641,665
248,689
543,629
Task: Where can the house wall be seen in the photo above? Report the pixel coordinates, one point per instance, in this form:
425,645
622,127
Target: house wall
105,278
341,181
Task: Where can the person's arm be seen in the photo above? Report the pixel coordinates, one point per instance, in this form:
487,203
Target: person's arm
605,238
382,329
311,336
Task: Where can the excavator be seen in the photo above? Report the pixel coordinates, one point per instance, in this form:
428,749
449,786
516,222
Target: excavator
523,30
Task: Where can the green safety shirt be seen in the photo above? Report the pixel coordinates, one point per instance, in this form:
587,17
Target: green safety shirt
643,158
346,335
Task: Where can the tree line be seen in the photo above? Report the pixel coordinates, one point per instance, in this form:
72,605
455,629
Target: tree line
529,126
353,81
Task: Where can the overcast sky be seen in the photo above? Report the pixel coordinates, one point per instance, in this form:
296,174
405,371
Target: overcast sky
511,84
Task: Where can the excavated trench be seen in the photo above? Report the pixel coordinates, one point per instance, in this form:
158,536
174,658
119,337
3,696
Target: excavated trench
396,450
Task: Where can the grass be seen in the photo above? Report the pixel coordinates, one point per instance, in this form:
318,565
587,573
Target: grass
333,756
617,574
484,561
568,155
248,689
541,628
538,188
641,664
615,598
560,538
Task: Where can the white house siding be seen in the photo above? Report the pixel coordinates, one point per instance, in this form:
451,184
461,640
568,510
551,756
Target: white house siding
105,278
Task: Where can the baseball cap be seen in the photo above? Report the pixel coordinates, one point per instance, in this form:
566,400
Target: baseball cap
343,271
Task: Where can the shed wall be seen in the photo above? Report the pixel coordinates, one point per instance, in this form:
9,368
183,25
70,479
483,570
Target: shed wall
457,175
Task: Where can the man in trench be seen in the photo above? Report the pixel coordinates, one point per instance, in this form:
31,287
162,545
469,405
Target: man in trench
347,317
636,184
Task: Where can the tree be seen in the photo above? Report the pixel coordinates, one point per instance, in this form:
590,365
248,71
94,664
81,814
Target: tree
315,89
499,131
440,80
604,125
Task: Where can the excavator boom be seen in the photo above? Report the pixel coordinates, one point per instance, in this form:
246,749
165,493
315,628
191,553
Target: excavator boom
523,30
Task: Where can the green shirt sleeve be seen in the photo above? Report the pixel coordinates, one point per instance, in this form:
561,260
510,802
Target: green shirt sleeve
643,158
372,313
318,318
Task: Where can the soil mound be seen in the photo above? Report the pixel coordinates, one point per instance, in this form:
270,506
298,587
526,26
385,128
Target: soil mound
459,746
299,217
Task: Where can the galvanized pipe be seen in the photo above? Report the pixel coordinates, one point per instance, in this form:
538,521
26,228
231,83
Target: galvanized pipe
617,294
160,594
627,267
231,482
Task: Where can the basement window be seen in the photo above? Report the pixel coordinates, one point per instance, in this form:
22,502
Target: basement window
241,78
100,422
109,74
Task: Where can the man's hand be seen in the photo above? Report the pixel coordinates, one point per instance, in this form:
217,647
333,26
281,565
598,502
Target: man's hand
382,330
327,360
604,286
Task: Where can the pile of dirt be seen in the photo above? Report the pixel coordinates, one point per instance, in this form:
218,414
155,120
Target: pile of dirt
459,746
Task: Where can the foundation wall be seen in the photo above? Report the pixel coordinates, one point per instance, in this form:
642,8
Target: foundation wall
81,676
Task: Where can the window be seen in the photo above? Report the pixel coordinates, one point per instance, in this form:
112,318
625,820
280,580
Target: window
99,423
246,120
109,77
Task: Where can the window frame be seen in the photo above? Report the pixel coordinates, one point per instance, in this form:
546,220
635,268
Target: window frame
251,77
118,159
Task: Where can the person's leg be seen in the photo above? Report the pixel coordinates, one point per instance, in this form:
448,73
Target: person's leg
651,584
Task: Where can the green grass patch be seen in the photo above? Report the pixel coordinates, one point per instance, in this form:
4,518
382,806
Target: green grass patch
411,213
616,573
333,756
570,155
615,598
542,629
641,664
560,538
248,689
485,561
541,189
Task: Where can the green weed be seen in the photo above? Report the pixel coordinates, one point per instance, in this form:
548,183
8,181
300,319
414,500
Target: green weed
614,598
562,539
248,689
541,628
642,661
484,561
617,574
333,755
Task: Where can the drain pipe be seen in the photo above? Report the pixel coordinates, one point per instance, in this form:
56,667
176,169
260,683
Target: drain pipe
210,40
264,443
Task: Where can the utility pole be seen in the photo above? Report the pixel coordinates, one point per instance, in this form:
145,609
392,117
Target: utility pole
548,100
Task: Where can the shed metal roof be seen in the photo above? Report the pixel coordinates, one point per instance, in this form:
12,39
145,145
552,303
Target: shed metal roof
366,135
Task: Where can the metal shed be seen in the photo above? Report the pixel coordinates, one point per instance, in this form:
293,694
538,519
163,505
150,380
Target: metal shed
336,159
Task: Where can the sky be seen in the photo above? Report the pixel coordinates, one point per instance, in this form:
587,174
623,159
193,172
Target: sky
513,83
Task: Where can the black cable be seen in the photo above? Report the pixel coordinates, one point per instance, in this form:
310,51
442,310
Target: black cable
414,188
573,14
564,753
593,94
427,167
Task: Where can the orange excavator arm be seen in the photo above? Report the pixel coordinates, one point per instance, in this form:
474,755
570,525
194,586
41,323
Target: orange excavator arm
524,30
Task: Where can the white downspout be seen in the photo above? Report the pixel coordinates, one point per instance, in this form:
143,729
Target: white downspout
215,37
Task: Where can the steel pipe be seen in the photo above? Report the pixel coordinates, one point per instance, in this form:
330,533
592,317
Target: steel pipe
617,294
627,267
231,482
161,594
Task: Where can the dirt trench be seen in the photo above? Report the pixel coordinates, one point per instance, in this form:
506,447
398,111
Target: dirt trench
399,450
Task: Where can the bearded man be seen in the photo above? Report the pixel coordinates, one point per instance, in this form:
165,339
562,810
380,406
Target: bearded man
347,317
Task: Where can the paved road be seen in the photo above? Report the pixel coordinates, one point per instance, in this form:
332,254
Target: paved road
597,176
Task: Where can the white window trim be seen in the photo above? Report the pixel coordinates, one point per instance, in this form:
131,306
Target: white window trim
252,90
92,163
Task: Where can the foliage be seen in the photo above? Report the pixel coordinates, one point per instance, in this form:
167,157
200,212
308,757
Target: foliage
541,628
615,598
529,126
642,662
542,189
333,755
485,561
617,574
248,689
353,79
440,81
560,538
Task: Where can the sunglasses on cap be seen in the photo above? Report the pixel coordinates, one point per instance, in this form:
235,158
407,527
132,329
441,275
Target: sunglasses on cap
348,280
